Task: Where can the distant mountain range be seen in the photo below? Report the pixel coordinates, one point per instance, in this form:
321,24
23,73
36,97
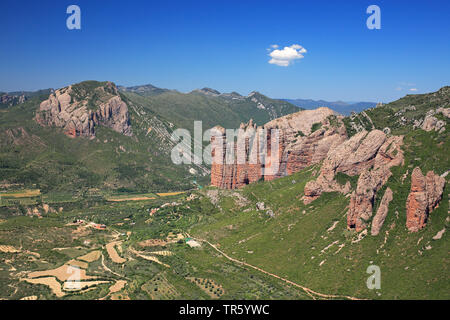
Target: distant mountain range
149,90
342,107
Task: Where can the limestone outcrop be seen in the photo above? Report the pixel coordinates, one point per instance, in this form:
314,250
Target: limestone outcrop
78,111
424,197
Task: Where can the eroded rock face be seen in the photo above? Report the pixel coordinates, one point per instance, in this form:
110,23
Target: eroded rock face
361,200
444,111
380,216
307,137
371,180
367,154
426,192
226,172
12,100
432,123
78,116
304,139
313,190
363,151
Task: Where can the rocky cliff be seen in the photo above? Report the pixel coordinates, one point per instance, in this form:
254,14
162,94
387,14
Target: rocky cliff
312,136
380,216
226,173
11,100
367,154
80,108
426,192
304,139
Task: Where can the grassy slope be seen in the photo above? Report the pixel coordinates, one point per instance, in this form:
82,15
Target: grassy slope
286,244
182,109
385,116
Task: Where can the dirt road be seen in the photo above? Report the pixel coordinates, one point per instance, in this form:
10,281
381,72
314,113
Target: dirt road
313,294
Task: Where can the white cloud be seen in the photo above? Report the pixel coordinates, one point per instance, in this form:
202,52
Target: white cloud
408,86
287,55
274,46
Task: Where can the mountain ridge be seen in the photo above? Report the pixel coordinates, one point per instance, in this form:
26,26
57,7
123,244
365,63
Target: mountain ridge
345,108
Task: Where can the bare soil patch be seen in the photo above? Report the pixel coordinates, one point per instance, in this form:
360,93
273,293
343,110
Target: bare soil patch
91,256
83,285
150,258
62,273
116,287
166,194
8,249
131,199
162,253
110,247
51,282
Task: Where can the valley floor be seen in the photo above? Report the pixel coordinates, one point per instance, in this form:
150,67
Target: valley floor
218,244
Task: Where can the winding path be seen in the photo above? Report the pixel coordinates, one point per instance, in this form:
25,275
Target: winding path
109,270
310,292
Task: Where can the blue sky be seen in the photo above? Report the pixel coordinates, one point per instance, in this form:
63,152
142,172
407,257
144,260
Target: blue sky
186,44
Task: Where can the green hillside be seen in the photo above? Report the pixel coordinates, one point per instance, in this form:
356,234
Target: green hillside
400,114
183,108
310,244
32,156
258,242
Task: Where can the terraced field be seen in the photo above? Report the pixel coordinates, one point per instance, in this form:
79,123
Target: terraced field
60,255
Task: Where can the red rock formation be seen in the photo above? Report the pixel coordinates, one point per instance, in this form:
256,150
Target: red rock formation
382,212
283,146
424,197
313,190
361,200
370,181
62,109
361,152
367,154
71,132
235,164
